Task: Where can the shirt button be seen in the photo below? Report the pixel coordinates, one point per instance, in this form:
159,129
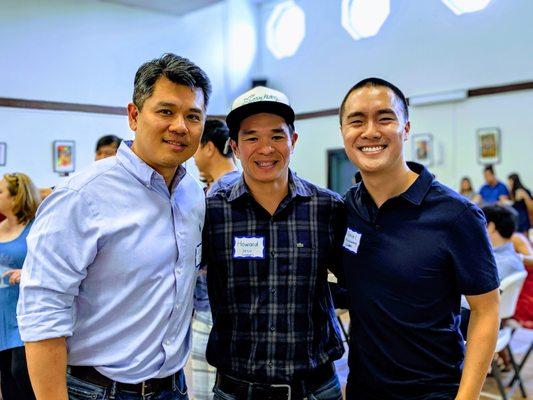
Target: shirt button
272,328
272,253
272,291
269,365
178,271
168,342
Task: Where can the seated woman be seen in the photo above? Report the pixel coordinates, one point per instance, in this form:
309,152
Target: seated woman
19,199
522,202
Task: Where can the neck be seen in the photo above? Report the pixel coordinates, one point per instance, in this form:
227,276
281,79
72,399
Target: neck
384,185
269,194
221,168
498,240
11,221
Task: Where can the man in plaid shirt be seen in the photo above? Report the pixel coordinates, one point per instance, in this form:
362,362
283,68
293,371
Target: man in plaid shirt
269,240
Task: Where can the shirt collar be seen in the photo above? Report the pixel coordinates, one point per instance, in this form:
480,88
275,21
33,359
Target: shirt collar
415,193
139,169
418,190
296,188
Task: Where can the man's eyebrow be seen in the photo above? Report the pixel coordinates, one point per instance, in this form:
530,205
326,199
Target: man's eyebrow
355,114
386,111
248,131
196,110
165,104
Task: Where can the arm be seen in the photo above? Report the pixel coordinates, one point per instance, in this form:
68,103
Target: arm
523,248
47,365
482,336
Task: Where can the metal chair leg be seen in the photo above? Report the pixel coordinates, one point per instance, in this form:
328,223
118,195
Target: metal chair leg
346,336
498,378
517,369
521,365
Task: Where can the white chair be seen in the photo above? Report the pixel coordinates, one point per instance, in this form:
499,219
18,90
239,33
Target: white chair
510,288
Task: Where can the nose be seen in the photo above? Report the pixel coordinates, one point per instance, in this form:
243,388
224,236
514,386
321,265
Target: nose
178,125
371,131
266,148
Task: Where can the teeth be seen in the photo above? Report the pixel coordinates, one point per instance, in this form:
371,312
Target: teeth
371,148
176,143
265,163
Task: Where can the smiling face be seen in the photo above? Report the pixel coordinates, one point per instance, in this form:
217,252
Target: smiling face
374,129
168,127
264,146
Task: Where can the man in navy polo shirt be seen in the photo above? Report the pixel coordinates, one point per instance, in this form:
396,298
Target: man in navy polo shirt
412,247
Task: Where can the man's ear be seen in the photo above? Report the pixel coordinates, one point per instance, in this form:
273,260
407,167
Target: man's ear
294,138
210,148
406,130
133,115
234,148
491,227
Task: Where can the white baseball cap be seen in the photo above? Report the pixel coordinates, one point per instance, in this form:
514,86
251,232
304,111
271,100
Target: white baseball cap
260,99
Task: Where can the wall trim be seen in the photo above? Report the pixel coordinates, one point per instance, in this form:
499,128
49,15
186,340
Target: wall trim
111,110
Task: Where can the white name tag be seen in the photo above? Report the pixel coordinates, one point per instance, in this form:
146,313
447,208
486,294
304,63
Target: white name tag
352,240
198,255
249,247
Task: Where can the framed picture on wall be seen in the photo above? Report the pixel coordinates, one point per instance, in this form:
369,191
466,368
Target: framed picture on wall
3,154
422,148
488,145
64,156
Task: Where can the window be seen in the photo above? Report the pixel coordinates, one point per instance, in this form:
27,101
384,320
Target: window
364,18
466,6
285,29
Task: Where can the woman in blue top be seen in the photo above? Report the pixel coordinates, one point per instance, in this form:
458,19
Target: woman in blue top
19,199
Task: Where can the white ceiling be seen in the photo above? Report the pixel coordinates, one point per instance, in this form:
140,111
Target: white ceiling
176,7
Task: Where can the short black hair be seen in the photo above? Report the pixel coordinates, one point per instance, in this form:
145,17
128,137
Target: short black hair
217,132
107,140
489,168
377,82
176,69
505,219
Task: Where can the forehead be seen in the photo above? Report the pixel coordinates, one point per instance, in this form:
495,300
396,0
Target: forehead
369,97
167,91
263,121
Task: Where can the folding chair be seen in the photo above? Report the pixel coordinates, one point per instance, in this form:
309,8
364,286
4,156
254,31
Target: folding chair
510,288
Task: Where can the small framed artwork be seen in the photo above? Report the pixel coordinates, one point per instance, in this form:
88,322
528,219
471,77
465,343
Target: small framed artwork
422,150
3,154
64,156
488,145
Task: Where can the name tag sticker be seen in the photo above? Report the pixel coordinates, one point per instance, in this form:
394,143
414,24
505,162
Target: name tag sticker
249,247
198,255
352,240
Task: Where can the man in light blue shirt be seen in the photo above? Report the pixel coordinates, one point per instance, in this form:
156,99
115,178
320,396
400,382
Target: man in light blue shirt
108,282
501,224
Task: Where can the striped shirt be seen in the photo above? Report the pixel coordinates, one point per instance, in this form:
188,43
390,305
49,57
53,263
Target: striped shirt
273,314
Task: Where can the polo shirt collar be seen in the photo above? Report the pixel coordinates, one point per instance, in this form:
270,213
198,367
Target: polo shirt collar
415,193
296,188
140,170
418,190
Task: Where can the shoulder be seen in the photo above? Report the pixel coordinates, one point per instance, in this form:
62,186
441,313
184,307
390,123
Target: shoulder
89,175
451,203
192,185
319,192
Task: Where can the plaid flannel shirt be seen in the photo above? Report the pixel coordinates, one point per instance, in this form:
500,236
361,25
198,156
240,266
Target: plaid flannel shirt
273,317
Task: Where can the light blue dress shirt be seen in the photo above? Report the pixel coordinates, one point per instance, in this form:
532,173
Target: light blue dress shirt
508,261
112,264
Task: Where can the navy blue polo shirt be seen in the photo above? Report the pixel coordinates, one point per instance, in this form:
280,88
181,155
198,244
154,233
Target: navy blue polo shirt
406,265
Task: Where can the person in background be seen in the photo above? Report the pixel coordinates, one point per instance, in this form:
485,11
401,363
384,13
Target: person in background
522,202
466,189
108,284
501,224
107,146
214,159
412,247
524,307
19,199
493,190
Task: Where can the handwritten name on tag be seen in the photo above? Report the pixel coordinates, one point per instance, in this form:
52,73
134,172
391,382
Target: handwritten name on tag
249,247
352,240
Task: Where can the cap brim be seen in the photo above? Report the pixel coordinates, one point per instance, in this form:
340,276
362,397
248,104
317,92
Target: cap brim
235,117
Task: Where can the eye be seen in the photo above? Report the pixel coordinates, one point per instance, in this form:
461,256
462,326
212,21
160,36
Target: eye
278,137
250,139
165,111
194,117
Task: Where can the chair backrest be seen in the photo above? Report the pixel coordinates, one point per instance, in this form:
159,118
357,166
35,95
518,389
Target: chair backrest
510,288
